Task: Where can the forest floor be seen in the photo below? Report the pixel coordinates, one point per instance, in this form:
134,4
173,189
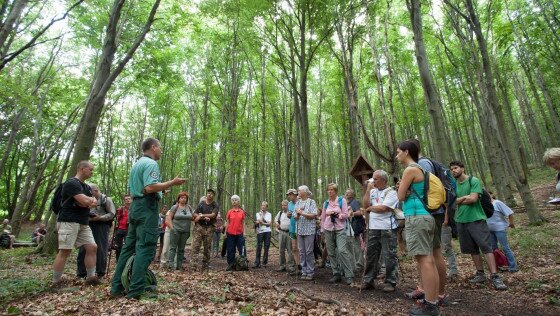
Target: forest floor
535,290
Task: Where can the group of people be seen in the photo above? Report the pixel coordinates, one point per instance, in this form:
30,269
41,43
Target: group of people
356,235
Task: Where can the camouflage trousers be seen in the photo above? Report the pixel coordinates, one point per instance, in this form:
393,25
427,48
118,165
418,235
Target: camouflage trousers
202,237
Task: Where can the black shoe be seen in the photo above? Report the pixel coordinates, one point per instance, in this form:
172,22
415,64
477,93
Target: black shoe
229,268
299,267
334,279
256,266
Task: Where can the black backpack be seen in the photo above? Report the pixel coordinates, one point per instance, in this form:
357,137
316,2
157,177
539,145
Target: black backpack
4,240
485,202
56,202
446,178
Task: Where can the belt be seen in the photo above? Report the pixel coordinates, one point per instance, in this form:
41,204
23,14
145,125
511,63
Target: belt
151,195
284,230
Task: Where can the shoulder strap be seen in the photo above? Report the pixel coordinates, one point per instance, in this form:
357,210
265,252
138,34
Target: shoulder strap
326,204
421,200
340,202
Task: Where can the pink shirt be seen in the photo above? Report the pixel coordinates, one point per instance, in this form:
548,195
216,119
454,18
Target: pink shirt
326,223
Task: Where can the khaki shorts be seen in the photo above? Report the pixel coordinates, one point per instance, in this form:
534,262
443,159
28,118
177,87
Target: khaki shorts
73,235
419,234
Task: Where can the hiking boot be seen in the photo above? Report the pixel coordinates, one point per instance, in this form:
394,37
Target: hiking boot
93,281
281,269
256,266
348,281
498,283
424,308
57,285
417,294
367,286
334,279
388,287
443,300
229,267
479,277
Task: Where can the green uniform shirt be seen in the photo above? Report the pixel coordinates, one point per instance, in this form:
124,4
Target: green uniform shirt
144,172
468,213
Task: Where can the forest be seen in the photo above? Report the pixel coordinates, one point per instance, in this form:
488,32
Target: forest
253,97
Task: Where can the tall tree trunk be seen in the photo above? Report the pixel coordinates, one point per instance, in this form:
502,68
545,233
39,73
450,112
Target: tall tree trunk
431,96
103,79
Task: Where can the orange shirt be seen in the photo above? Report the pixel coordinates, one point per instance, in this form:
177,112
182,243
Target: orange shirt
235,218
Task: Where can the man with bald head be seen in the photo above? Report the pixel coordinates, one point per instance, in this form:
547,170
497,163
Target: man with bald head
72,224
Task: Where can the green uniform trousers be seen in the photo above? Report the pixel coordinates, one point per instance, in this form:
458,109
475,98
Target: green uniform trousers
141,240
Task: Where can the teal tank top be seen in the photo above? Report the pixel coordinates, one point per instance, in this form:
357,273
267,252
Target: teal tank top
412,206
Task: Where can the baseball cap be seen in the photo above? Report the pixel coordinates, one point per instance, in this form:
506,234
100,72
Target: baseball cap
293,191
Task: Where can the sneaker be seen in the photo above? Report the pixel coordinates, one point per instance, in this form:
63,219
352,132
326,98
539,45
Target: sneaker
498,283
424,308
309,277
443,301
479,277
388,287
256,266
334,279
93,281
303,277
417,294
367,286
281,269
348,281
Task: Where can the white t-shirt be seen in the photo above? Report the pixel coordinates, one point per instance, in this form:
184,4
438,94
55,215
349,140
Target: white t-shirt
267,217
389,198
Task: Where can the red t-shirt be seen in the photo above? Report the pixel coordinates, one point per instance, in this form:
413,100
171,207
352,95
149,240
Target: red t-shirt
122,218
235,218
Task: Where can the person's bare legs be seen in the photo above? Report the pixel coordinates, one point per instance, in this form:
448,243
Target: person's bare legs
429,276
441,270
59,262
295,251
91,256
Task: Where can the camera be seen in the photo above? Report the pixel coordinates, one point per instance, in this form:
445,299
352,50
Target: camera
333,217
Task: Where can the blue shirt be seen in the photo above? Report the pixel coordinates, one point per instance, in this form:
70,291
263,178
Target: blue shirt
499,220
291,209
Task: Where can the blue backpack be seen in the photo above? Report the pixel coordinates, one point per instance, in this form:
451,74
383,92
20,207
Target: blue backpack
326,204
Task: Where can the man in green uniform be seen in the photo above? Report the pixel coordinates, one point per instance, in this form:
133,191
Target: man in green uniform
145,188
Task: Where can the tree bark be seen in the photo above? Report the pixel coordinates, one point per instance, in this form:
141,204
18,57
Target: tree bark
431,96
103,79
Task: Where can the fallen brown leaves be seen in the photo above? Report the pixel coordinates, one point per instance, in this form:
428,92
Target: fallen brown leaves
533,290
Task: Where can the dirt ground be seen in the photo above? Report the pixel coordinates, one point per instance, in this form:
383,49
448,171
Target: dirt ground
267,292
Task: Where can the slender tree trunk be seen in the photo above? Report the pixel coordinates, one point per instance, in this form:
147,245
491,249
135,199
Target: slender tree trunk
103,79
